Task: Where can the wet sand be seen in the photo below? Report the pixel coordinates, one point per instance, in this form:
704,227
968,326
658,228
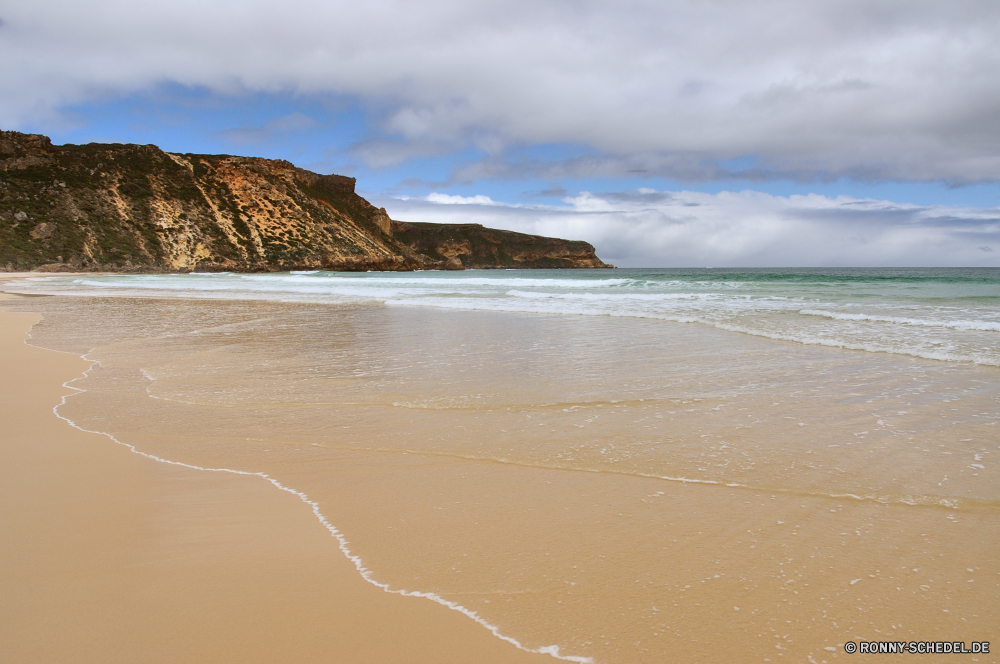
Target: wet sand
107,556
406,433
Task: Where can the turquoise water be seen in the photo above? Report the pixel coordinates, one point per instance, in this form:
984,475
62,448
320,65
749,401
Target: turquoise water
943,314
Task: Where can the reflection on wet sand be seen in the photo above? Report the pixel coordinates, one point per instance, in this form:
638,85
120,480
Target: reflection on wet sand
515,464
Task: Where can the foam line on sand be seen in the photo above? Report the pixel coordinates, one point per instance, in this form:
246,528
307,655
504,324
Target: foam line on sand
366,574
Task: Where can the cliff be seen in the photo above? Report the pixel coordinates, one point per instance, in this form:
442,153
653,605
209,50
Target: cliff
136,208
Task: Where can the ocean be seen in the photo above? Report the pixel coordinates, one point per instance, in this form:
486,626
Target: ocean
943,314
607,465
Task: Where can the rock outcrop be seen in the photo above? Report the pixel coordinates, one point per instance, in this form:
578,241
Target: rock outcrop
136,208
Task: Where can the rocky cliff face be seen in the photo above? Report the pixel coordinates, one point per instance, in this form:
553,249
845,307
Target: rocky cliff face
136,208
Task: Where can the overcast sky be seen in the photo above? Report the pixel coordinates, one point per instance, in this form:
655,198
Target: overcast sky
667,133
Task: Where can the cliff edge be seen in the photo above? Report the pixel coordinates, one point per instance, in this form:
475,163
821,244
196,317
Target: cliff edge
135,208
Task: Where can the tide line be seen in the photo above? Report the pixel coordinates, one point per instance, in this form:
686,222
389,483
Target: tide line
365,573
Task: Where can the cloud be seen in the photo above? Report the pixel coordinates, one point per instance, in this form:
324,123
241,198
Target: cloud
870,89
269,131
389,152
445,199
552,191
650,228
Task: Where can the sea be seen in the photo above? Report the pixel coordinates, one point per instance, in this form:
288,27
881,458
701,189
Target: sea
629,465
941,314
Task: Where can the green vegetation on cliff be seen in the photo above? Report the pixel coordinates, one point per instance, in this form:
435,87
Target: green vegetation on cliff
118,207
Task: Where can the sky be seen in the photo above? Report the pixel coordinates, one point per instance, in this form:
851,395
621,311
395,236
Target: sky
668,134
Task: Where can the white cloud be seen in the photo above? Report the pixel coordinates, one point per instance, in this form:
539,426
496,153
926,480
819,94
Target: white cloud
269,131
445,199
649,228
828,88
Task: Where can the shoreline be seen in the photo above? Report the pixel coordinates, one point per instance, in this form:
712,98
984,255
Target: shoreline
806,337
220,558
608,565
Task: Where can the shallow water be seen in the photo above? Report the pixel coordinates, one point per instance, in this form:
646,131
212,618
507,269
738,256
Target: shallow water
946,314
625,487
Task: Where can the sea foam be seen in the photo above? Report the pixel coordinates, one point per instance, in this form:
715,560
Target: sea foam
343,544
948,316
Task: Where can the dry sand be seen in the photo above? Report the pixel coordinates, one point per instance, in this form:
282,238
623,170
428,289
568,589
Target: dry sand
107,556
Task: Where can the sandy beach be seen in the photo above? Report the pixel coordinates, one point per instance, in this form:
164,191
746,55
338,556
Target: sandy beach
111,557
627,491
499,332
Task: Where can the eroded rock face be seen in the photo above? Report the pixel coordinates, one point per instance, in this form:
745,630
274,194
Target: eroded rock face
137,208
19,151
42,231
473,246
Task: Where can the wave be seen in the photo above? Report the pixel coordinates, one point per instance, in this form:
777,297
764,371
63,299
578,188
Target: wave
923,322
506,282
618,297
776,314
802,336
870,347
